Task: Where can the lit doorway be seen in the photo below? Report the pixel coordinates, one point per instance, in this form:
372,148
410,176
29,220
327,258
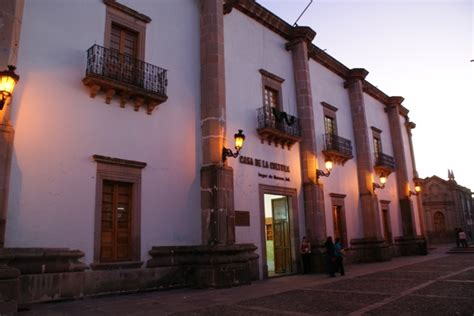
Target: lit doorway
277,235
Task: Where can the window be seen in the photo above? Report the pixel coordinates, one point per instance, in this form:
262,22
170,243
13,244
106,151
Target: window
377,142
272,94
271,98
330,125
329,112
117,215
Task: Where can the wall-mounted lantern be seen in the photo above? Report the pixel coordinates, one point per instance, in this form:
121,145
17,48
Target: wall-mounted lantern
8,79
417,190
239,139
327,173
383,180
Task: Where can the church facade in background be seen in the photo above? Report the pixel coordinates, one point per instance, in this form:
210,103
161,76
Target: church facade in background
448,208
120,170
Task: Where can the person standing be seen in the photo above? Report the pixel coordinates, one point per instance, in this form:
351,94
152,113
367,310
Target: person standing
330,256
339,253
305,250
456,232
462,238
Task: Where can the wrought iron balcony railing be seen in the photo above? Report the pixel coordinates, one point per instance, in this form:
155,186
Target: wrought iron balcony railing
277,126
270,117
384,161
338,144
125,68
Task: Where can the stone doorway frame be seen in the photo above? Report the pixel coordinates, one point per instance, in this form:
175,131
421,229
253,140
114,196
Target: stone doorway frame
291,193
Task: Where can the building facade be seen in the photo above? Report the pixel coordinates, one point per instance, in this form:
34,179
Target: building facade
120,124
448,207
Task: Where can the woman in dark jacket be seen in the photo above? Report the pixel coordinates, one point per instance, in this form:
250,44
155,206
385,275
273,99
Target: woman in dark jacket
339,249
330,256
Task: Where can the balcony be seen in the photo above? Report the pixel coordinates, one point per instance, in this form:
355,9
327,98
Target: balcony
384,164
278,127
336,148
124,76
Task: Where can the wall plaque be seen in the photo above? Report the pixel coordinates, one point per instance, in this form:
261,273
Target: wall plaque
242,218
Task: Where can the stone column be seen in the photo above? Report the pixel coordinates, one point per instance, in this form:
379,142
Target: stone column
371,247
403,184
11,12
409,243
217,204
409,126
313,193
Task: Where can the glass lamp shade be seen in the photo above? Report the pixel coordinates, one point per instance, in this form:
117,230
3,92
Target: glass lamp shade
239,139
383,179
8,79
7,84
328,165
417,188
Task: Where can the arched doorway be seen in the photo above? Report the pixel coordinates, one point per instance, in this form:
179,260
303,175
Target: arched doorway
439,223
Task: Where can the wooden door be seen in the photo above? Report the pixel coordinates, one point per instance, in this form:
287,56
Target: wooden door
387,231
339,224
122,63
281,235
115,238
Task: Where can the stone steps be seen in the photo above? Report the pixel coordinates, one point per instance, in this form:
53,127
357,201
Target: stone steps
461,250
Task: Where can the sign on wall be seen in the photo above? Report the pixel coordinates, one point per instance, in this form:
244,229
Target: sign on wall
265,164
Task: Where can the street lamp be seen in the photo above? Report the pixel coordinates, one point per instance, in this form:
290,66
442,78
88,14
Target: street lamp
239,139
8,79
321,173
383,180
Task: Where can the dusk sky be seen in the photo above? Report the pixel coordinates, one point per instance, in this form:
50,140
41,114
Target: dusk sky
420,50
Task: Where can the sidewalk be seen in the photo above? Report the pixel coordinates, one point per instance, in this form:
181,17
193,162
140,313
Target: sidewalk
287,295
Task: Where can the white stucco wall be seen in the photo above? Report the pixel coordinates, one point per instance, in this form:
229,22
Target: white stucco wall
59,127
377,117
249,46
328,87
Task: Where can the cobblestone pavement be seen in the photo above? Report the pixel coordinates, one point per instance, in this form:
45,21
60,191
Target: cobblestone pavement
437,284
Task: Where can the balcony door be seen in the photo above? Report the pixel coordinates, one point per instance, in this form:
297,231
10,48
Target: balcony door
122,63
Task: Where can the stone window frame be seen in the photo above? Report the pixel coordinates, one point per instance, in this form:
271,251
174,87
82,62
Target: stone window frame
291,193
385,205
121,170
337,199
117,13
329,111
274,82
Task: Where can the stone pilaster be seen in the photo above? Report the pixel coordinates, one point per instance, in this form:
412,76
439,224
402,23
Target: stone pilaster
409,126
365,165
11,12
217,203
403,185
312,191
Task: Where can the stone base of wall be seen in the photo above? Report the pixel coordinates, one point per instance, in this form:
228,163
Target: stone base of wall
42,260
368,250
73,285
411,246
210,266
30,275
9,290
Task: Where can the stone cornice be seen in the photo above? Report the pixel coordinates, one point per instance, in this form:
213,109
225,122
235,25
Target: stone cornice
323,58
261,15
123,8
375,92
118,161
